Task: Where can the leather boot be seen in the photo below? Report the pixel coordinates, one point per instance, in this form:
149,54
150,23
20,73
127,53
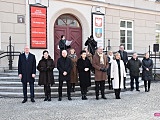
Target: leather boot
46,98
49,97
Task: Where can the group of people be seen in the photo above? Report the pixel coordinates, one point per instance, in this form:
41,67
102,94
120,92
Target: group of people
71,69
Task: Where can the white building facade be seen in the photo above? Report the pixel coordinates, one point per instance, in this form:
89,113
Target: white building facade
133,23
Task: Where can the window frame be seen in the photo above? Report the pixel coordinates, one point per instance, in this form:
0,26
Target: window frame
127,29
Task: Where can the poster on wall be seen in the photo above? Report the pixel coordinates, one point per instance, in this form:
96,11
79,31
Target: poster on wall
98,28
38,27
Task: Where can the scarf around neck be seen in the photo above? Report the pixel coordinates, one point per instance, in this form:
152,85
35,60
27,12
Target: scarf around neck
101,58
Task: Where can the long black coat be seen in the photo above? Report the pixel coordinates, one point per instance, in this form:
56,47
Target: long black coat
27,67
64,64
133,66
45,67
147,63
84,76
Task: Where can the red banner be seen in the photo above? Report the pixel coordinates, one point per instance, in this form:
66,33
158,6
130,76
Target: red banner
38,32
39,12
37,42
37,22
38,27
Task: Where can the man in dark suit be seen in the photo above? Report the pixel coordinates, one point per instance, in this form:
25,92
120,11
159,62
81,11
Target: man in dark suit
64,65
124,57
26,72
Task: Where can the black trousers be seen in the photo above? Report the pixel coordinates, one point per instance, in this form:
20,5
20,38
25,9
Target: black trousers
47,90
109,81
100,85
68,88
145,84
31,84
132,82
83,90
117,93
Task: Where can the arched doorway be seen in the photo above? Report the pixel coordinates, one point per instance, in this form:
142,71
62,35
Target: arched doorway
69,26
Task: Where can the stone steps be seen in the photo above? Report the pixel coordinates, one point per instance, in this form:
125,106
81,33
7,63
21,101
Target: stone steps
11,86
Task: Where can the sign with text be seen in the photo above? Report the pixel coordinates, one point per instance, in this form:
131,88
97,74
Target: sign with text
98,28
38,27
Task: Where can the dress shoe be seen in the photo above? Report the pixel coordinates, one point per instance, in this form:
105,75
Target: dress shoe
131,89
146,90
46,98
59,99
25,100
104,97
32,100
69,98
97,98
138,90
49,99
85,98
118,98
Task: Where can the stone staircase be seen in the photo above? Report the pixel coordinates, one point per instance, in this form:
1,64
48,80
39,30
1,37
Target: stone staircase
11,86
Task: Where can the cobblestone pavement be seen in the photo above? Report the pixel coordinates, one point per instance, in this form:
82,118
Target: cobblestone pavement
133,106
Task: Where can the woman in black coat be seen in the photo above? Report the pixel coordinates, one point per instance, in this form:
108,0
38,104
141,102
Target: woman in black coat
147,65
46,78
84,66
62,44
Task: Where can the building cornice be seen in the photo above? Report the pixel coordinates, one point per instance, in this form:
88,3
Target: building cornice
112,6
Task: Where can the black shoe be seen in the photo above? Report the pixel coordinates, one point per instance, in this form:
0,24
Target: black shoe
59,99
82,97
117,97
138,90
85,98
32,100
146,90
69,98
125,88
132,89
104,97
72,90
46,98
97,98
49,99
25,100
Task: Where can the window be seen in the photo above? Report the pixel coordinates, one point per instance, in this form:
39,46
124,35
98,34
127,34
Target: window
67,20
126,34
158,33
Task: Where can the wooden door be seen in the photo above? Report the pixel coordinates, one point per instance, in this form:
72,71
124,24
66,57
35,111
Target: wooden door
57,36
75,34
69,26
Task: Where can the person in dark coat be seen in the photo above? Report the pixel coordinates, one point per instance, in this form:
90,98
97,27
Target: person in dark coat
100,64
147,66
92,44
27,72
133,65
74,71
62,44
84,66
124,58
64,65
110,59
46,78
